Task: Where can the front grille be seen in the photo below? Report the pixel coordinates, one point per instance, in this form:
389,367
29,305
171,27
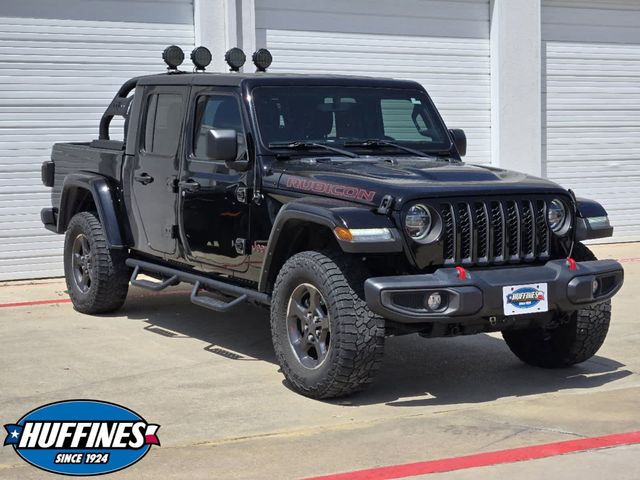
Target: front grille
449,232
494,231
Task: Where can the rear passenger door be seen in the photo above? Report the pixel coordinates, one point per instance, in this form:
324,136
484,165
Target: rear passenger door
155,169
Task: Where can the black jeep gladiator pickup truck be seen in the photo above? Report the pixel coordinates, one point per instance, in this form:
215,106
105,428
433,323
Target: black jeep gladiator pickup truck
342,204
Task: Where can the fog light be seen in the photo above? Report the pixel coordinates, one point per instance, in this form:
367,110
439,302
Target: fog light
434,301
262,59
201,57
235,58
594,286
173,56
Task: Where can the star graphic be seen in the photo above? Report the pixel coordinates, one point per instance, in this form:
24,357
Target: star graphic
15,434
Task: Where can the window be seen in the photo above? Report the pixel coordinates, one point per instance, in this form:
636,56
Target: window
402,119
339,115
215,111
163,123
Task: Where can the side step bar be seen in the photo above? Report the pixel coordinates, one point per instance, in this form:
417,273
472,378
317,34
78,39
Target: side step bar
149,285
174,276
214,303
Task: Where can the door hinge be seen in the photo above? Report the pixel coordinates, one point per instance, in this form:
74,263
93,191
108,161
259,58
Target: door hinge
171,231
242,194
172,183
241,246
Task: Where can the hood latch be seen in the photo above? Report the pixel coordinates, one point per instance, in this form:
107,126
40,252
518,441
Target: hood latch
385,205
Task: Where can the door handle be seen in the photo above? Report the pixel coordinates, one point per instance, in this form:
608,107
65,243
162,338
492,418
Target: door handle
143,178
189,185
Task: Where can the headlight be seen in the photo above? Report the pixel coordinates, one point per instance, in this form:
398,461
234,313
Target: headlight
557,215
417,222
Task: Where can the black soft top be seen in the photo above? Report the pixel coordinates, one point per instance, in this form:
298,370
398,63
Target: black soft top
254,79
245,81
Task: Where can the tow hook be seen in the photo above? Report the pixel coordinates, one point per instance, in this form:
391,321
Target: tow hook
462,273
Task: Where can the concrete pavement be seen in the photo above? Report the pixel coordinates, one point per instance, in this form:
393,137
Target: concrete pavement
211,382
620,463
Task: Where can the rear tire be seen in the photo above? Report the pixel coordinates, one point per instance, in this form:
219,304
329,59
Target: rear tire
577,338
97,277
327,341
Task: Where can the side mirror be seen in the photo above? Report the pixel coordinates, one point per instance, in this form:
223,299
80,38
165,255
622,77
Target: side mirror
459,140
221,144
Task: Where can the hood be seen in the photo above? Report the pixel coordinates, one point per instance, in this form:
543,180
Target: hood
368,179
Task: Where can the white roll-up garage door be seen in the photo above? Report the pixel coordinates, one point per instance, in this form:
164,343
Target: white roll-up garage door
443,44
592,104
56,78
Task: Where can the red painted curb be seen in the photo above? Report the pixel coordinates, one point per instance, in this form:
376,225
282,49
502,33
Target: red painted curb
35,302
68,300
486,459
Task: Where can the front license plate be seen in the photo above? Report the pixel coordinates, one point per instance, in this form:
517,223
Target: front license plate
522,299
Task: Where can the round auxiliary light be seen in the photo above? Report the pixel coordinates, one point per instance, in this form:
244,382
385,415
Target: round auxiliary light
556,215
262,59
235,58
434,301
417,222
173,56
201,57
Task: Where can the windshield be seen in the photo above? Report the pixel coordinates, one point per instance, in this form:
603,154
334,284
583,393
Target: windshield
348,115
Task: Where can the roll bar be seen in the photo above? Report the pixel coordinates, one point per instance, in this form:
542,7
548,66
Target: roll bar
118,106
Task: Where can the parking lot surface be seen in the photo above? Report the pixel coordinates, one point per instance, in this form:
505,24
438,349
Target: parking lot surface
211,382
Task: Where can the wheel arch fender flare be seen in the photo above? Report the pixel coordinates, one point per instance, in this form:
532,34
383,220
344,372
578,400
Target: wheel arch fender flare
327,217
589,208
75,187
587,228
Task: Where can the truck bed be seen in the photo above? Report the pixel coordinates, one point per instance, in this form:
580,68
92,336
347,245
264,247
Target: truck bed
87,157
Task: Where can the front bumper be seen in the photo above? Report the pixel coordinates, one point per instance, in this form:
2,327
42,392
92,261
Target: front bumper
480,294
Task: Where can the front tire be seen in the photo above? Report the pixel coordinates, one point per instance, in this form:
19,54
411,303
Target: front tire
327,341
97,277
575,337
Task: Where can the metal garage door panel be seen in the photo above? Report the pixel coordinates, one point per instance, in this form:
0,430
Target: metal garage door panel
443,45
56,79
592,104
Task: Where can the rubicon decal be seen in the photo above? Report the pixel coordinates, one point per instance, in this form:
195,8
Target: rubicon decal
81,437
342,191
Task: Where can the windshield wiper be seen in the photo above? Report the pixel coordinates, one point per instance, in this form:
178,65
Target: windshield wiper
378,143
311,145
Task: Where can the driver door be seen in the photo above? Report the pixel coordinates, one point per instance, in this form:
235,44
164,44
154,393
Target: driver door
214,211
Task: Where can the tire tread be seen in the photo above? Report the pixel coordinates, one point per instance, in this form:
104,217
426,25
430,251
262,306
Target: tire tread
111,275
359,341
574,342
